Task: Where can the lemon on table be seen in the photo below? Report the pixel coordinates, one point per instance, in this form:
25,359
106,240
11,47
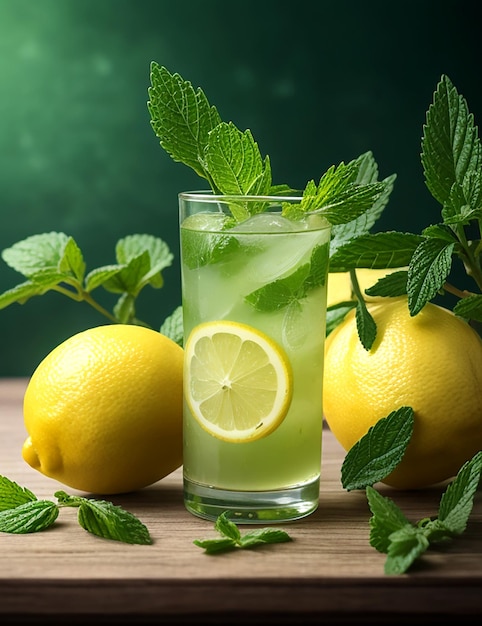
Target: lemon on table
238,381
431,362
103,410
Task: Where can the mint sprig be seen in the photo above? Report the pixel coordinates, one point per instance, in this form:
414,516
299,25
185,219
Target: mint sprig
191,131
403,542
371,460
22,512
54,262
451,159
232,539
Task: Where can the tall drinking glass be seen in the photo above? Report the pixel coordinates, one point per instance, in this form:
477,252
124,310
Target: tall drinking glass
254,288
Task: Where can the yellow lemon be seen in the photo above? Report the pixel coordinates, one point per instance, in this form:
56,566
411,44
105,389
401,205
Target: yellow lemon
431,362
238,381
103,410
339,283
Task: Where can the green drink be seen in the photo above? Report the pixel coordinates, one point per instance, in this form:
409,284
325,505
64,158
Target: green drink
266,276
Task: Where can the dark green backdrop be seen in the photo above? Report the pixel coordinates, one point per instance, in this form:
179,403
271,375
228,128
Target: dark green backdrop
318,82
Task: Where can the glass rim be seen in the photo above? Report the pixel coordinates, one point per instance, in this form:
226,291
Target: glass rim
209,196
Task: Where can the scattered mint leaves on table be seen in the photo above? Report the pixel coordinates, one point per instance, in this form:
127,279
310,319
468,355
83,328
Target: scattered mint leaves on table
377,454
232,539
403,542
21,513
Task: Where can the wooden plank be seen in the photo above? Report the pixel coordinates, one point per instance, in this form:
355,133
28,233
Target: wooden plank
329,570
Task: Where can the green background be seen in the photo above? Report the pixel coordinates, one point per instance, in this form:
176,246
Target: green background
317,82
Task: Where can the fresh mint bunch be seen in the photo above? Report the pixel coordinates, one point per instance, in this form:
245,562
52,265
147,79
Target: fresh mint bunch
192,132
232,539
21,512
451,158
54,262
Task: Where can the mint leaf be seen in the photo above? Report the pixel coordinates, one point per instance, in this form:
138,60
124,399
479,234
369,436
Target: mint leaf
182,118
262,536
470,307
365,324
23,292
213,546
232,538
429,267
160,257
293,288
338,197
319,263
141,259
280,293
30,517
35,253
201,248
375,251
97,277
451,149
235,164
406,546
106,520
391,285
386,519
341,233
379,451
457,501
12,495
226,527
173,328
336,313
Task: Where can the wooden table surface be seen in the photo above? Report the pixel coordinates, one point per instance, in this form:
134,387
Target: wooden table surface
328,574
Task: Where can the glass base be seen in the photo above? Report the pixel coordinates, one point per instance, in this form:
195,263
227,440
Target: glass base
252,507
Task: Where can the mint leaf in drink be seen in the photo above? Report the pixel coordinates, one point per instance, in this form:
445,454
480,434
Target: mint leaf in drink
202,248
293,288
30,517
106,520
282,292
232,539
181,118
379,451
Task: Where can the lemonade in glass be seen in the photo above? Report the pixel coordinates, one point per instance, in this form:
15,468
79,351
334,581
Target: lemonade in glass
254,309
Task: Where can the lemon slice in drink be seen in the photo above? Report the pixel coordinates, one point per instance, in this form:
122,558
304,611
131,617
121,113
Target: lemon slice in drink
238,381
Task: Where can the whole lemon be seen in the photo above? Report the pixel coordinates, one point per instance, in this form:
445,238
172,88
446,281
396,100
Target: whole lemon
103,410
431,362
